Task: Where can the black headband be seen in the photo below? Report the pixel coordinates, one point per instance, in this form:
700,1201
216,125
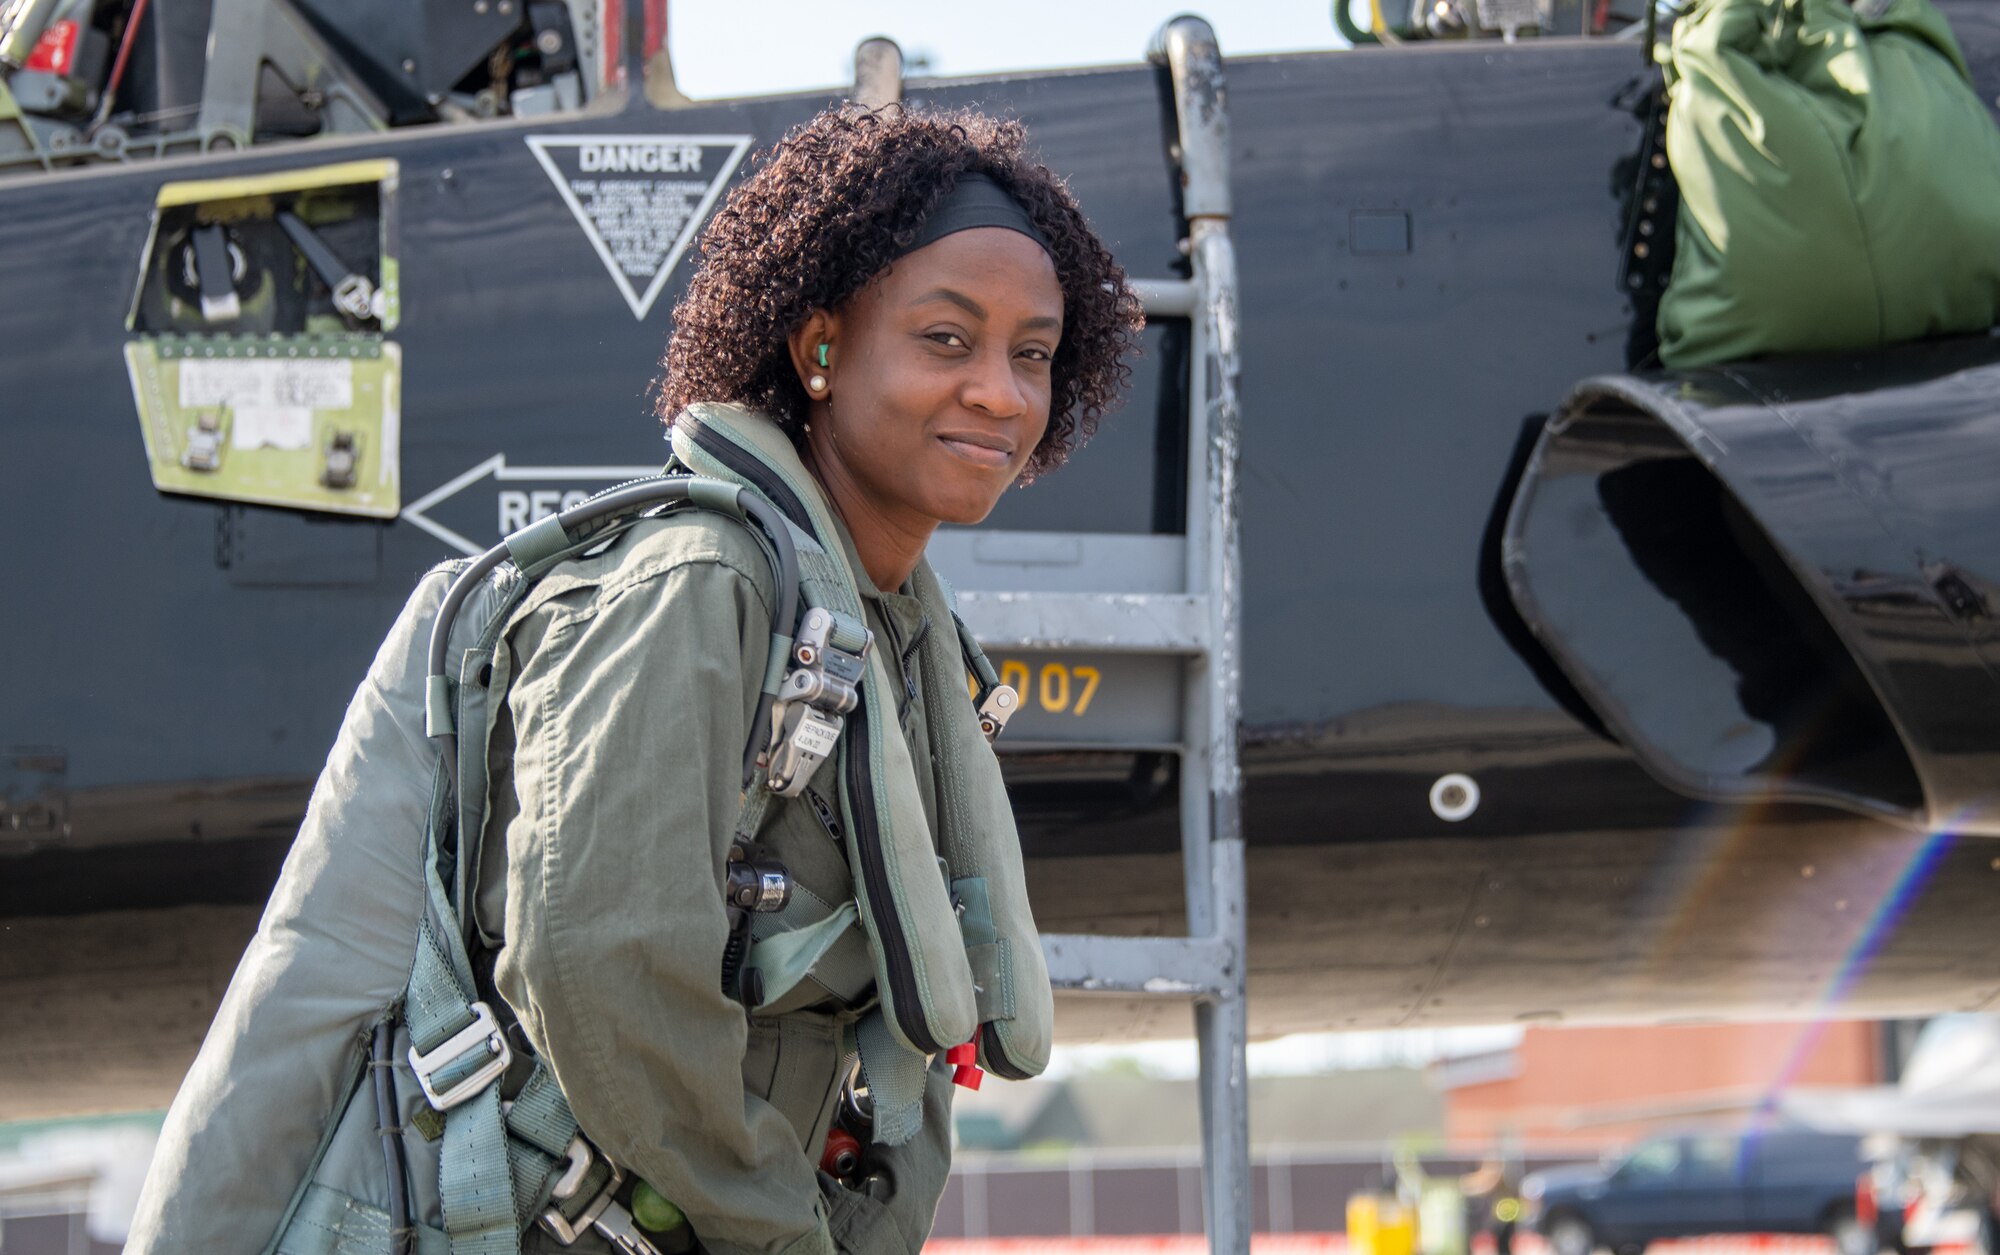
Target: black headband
976,201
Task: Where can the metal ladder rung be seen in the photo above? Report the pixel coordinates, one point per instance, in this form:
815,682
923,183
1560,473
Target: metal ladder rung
1167,298
1154,623
1163,967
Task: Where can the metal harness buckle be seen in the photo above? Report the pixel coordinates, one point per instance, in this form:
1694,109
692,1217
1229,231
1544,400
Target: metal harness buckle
483,1033
603,1213
995,706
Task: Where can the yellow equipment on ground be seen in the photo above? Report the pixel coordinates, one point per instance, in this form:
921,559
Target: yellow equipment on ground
1379,1224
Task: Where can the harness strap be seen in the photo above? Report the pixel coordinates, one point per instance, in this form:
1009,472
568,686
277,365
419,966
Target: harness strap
495,1164
845,968
895,1077
540,1128
541,1116
786,958
495,1167
476,1179
475,1172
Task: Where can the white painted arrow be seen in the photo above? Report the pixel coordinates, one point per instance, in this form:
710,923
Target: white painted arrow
497,467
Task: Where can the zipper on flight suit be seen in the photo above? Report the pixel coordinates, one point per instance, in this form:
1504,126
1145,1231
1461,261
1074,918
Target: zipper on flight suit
904,651
828,819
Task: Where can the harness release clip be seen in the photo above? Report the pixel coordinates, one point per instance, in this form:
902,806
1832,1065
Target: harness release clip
822,687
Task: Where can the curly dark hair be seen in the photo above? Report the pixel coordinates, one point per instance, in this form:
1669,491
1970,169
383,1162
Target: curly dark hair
829,207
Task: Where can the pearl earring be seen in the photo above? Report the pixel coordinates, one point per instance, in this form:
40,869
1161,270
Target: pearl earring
817,383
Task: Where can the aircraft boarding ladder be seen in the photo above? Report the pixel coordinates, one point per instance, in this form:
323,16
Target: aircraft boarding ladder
1162,607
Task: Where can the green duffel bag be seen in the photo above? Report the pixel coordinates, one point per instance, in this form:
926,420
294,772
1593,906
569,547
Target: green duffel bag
1839,176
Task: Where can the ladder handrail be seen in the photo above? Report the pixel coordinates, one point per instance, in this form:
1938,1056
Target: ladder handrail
1201,623
1211,776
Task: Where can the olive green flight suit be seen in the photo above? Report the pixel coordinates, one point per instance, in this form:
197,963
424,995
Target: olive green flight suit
615,786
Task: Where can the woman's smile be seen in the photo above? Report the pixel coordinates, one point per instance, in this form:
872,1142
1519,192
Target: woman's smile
980,449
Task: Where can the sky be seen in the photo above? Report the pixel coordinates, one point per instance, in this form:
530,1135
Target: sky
797,45
1301,1054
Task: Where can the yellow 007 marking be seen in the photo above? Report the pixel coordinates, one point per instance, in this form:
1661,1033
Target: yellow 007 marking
1057,688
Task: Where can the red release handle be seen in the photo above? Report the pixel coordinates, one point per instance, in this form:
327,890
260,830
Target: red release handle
842,1155
965,1065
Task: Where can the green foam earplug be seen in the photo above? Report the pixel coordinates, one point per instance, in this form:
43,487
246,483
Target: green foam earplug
652,1210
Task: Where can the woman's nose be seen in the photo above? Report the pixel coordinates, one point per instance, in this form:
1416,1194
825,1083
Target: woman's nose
993,389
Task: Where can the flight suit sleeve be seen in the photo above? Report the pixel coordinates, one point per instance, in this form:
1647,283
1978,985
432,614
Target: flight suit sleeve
630,713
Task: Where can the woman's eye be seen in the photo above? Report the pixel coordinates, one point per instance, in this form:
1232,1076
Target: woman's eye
949,339
1035,354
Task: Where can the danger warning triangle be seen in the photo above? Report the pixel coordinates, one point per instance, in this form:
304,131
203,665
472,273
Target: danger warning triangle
640,199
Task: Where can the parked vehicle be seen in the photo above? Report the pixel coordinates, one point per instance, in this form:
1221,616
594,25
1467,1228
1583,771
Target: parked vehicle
1686,1184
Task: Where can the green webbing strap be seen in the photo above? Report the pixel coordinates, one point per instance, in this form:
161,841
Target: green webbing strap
541,1116
824,580
489,1183
436,1006
975,918
850,632
328,1222
441,986
476,1179
847,967
539,1129
475,1176
895,1077
786,958
476,1189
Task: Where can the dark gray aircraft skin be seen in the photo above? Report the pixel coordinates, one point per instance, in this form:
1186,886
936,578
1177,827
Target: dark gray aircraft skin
1432,242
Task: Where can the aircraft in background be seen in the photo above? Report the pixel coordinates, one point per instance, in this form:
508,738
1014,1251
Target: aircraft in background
1681,704
1934,1179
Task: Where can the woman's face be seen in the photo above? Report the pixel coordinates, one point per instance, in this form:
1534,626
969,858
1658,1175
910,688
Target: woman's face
938,379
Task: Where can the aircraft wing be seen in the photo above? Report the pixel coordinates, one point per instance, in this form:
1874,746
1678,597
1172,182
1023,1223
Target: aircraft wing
1892,1109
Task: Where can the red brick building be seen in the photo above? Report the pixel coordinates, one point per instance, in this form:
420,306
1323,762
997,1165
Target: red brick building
1605,1086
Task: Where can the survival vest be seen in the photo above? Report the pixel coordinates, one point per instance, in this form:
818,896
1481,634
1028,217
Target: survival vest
351,1085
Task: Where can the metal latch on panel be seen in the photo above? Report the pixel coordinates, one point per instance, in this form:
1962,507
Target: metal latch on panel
341,457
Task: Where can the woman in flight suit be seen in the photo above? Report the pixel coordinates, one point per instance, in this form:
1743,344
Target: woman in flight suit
920,309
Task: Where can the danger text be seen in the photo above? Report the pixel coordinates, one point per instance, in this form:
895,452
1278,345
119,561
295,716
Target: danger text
646,158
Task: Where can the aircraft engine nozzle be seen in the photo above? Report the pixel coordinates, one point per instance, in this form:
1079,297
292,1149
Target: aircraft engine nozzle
1781,580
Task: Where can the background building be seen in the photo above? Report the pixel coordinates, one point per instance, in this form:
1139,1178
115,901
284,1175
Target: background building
1571,1087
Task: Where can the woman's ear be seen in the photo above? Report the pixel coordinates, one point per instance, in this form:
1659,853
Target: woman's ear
811,344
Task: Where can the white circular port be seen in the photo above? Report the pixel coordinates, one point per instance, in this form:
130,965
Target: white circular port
1454,797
